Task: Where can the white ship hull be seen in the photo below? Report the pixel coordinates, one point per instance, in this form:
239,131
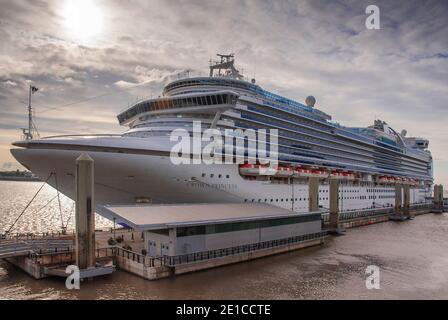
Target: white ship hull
124,178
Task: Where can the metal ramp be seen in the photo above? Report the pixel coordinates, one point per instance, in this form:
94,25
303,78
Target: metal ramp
10,248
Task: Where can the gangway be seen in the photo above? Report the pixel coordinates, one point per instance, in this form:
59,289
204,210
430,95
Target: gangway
16,247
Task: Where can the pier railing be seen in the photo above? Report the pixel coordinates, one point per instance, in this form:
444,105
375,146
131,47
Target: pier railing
350,215
116,251
218,253
37,236
55,256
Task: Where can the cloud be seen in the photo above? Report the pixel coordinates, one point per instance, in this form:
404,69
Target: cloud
295,48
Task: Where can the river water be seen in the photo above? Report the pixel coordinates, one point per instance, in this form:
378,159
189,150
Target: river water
412,257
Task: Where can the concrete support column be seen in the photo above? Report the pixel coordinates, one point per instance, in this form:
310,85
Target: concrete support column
334,205
398,200
173,239
313,192
438,198
85,213
441,197
406,200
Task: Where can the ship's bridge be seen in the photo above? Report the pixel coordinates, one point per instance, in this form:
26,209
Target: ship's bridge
210,84
208,102
201,83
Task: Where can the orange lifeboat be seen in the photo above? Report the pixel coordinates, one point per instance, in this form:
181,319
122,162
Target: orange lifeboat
336,175
284,172
317,173
310,173
302,173
348,176
256,170
396,180
383,179
342,175
386,180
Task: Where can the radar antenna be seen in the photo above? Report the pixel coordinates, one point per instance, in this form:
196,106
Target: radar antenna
225,67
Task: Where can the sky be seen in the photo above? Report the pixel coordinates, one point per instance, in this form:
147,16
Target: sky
91,59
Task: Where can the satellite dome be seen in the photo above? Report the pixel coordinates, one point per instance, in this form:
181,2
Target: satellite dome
310,101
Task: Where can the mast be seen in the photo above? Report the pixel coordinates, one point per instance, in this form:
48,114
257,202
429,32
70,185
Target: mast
30,116
225,67
28,133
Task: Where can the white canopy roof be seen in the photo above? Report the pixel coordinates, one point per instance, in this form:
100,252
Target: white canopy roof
153,217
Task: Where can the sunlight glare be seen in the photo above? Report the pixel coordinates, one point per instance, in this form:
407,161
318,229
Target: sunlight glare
83,18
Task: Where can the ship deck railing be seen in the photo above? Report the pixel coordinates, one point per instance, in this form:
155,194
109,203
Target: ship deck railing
68,136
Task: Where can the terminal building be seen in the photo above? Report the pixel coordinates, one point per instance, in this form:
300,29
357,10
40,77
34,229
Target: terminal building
182,229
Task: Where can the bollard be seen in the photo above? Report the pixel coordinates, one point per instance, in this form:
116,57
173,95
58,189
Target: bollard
313,192
85,211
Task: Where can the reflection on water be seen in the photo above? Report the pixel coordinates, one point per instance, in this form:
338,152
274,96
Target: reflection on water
412,257
14,196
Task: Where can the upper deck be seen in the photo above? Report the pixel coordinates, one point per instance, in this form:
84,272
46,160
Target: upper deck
198,84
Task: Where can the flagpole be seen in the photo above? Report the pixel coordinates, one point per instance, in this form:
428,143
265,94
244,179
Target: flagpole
31,127
30,116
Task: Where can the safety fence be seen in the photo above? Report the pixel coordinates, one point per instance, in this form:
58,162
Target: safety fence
350,215
218,253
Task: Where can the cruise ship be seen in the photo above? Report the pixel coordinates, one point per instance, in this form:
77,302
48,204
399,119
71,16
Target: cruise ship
135,167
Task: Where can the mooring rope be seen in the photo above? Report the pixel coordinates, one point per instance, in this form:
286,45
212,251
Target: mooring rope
59,201
70,215
44,206
29,203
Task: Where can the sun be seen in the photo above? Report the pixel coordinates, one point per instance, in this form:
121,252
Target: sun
82,18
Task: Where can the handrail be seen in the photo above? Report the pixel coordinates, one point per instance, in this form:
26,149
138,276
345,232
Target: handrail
218,253
82,135
128,254
36,236
348,215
